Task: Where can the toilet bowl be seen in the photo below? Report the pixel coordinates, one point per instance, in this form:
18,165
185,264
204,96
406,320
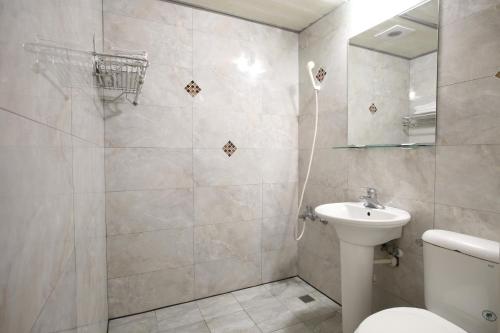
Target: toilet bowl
407,320
461,287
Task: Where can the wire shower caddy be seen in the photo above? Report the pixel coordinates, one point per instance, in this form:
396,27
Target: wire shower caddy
65,67
120,72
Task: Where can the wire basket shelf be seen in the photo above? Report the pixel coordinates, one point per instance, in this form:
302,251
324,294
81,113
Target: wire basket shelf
124,73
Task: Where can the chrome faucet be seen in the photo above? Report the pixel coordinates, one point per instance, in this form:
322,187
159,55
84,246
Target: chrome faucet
370,199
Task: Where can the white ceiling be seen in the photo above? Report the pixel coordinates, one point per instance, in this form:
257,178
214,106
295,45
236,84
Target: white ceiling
289,14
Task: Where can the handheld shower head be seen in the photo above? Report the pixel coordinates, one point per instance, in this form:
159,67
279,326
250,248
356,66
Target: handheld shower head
310,67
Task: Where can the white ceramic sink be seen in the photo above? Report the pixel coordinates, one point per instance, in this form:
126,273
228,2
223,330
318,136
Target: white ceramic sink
360,229
357,224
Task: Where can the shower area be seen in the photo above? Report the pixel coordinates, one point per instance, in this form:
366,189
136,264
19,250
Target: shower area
116,202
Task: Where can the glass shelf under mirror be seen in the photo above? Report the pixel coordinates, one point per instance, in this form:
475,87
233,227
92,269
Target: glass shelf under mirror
402,145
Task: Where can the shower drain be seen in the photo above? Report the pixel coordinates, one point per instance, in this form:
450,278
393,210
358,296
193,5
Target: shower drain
306,299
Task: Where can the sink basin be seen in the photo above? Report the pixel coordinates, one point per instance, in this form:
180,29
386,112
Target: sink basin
357,224
360,229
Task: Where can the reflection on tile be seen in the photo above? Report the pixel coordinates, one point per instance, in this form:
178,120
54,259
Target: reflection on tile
142,323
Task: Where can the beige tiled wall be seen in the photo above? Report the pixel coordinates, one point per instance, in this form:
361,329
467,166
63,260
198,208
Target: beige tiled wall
453,186
184,220
52,226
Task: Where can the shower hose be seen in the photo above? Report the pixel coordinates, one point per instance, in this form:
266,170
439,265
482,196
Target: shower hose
298,235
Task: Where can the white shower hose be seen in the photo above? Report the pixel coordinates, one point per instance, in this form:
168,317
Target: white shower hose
298,236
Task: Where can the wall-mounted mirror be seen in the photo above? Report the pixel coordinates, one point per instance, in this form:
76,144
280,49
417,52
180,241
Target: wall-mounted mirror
392,74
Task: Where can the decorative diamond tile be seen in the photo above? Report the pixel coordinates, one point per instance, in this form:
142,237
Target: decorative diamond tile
321,75
498,75
373,108
229,148
192,88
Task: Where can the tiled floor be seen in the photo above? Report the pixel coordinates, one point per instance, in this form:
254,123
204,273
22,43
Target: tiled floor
273,307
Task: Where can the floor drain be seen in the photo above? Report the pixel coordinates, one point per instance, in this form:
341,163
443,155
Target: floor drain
306,299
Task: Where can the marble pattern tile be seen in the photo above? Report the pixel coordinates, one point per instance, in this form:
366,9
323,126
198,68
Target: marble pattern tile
279,264
272,317
458,10
227,240
255,297
468,113
238,322
140,211
477,223
131,254
218,306
279,199
468,176
279,165
148,126
224,204
278,232
151,10
142,323
467,46
215,277
148,291
178,316
147,169
87,115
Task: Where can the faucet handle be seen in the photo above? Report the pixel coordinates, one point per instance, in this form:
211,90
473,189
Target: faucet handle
370,191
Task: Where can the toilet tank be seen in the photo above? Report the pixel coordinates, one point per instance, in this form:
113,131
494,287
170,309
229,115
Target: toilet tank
461,279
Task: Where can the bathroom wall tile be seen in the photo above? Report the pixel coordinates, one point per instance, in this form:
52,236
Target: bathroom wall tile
412,172
279,264
214,168
321,240
477,223
148,126
225,275
468,176
87,115
149,251
147,169
279,132
467,112
88,165
143,292
279,165
91,281
279,199
227,92
226,204
383,299
213,127
89,215
280,100
332,130
407,281
227,240
278,232
165,44
321,274
139,211
317,194
59,311
329,167
37,159
467,46
164,86
451,11
151,10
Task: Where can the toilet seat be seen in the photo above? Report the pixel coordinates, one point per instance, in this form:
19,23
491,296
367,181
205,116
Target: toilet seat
407,320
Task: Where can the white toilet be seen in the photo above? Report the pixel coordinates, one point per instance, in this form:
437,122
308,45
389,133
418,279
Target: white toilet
461,276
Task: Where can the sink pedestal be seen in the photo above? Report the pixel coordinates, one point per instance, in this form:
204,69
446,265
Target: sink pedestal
356,262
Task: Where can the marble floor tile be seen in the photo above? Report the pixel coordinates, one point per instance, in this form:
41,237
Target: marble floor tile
218,306
179,316
273,307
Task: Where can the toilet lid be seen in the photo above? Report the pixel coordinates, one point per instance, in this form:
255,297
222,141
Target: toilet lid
407,320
